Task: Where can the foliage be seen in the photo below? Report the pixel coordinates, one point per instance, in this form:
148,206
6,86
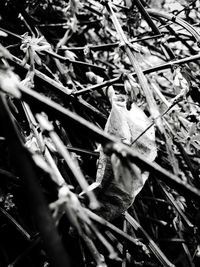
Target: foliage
100,115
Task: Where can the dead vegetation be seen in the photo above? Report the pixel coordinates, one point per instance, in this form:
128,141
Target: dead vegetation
99,136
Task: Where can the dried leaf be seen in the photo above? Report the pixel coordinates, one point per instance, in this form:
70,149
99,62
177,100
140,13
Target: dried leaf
129,124
120,179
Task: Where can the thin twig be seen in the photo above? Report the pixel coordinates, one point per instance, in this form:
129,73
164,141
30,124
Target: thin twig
27,170
19,228
45,104
150,243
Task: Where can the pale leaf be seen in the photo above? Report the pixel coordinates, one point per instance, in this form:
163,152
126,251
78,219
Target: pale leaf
122,180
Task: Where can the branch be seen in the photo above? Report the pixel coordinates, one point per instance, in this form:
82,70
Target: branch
111,143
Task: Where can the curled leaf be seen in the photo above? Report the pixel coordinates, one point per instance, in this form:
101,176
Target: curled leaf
121,180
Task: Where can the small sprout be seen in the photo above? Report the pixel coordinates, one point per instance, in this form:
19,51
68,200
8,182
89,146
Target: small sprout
33,46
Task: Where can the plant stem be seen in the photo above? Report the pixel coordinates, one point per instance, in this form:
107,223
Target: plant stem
28,172
151,244
153,109
67,93
42,103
